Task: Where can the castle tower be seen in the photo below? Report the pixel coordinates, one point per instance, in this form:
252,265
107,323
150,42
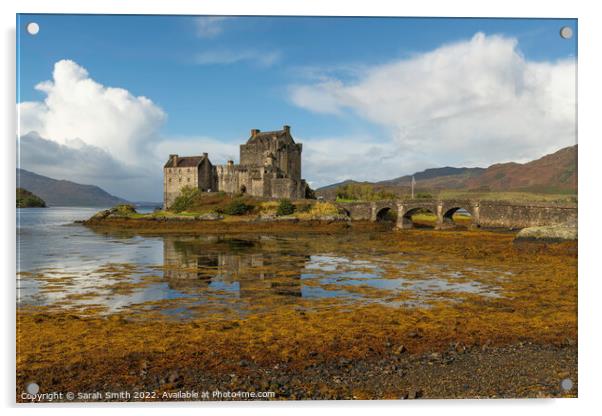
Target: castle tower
280,144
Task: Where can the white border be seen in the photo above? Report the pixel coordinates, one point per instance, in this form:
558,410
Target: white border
590,24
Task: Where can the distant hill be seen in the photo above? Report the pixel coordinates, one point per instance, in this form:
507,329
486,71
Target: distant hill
26,199
444,178
553,173
65,193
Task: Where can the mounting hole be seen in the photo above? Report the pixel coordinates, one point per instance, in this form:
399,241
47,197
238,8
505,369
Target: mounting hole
566,384
33,28
33,388
566,32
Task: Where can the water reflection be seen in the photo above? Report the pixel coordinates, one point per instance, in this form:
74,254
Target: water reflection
233,264
71,266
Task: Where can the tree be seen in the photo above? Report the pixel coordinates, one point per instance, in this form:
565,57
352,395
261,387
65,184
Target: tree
185,200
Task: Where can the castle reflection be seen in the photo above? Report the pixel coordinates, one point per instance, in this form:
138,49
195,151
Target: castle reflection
197,263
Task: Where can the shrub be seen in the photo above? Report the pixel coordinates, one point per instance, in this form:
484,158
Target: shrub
237,207
285,207
125,209
424,195
185,200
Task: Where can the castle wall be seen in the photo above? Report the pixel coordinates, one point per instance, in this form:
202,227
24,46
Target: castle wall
230,179
206,178
252,154
289,161
174,179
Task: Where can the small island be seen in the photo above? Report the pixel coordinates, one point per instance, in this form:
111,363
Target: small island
195,211
26,199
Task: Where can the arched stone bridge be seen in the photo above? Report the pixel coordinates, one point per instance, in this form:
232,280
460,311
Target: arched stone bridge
506,214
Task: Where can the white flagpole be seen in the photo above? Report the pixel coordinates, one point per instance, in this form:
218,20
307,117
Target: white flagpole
413,183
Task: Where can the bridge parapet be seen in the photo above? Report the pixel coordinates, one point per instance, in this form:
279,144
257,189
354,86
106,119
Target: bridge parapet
506,214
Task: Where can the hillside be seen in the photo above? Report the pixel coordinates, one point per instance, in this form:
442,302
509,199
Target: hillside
26,199
553,173
65,193
439,178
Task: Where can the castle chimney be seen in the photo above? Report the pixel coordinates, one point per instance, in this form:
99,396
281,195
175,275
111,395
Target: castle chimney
174,160
205,155
254,132
287,129
230,162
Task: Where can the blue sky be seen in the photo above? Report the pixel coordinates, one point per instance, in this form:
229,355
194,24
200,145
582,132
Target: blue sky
214,79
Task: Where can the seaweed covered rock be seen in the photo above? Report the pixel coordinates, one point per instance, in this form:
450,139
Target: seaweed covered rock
549,233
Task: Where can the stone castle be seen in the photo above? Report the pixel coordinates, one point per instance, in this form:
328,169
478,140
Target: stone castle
270,167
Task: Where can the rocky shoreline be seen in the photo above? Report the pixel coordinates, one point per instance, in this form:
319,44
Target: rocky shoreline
522,370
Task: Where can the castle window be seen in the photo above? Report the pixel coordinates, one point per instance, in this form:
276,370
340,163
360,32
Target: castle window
188,179
180,180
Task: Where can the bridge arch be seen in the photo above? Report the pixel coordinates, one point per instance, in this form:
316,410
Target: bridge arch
458,214
409,220
457,217
386,213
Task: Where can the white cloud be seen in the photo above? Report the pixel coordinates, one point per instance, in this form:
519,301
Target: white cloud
210,26
329,160
90,133
82,163
224,57
219,152
77,107
474,102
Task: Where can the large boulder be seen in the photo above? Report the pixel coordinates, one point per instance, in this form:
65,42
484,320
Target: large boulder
559,232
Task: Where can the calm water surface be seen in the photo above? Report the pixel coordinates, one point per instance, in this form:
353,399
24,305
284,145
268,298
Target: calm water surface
66,264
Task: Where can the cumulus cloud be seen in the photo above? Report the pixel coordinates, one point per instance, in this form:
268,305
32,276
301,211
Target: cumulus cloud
90,133
77,107
219,151
474,102
210,26
224,57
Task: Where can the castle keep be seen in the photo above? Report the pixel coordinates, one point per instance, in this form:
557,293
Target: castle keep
270,167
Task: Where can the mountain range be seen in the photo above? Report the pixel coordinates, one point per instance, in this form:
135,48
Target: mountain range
65,193
553,173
